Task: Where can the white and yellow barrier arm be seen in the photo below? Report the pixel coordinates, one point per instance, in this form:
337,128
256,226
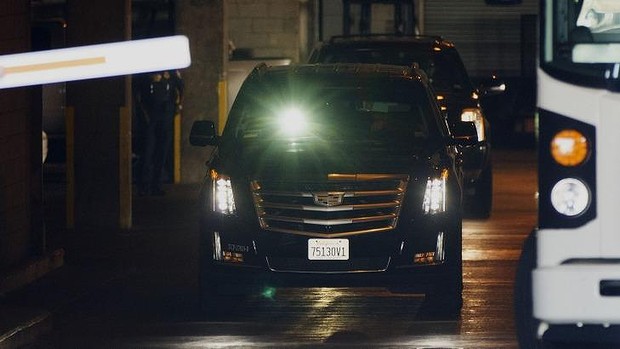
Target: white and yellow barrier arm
94,61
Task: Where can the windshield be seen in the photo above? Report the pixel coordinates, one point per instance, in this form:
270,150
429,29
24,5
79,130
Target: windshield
445,70
380,112
580,40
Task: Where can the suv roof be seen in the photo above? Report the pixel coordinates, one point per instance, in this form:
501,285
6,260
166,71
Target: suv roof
377,41
436,56
342,69
389,39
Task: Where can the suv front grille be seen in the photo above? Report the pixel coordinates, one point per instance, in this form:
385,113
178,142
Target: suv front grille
342,205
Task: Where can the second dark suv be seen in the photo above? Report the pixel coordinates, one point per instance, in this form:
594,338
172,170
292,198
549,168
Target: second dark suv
341,174
457,97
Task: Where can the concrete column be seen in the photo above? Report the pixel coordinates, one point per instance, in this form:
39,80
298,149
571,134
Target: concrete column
306,28
101,191
20,188
203,22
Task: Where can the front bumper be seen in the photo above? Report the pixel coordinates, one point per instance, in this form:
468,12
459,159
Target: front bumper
386,259
578,293
411,280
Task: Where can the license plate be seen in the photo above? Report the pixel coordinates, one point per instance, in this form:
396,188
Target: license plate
328,249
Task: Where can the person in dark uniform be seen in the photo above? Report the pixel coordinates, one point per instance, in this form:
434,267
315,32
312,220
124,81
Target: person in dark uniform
178,87
156,100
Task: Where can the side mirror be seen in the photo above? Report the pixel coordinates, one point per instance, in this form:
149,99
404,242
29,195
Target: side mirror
203,133
464,133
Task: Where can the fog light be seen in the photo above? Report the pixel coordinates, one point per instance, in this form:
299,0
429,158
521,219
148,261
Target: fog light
570,197
440,251
233,257
424,258
217,247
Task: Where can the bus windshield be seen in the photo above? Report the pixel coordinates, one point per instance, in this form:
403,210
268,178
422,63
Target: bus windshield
580,40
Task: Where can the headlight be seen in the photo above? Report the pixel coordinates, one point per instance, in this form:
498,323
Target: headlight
475,115
435,194
223,199
570,197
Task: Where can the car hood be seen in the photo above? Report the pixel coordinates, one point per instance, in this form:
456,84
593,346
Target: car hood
314,161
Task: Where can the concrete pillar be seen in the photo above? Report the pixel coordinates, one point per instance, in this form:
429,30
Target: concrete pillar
203,22
99,188
20,188
307,18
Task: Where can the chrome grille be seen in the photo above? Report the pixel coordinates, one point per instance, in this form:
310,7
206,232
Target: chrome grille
342,205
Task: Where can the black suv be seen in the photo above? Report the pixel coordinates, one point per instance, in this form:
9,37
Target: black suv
333,175
457,97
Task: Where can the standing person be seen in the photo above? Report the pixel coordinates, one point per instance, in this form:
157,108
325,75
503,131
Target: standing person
176,100
157,104
178,86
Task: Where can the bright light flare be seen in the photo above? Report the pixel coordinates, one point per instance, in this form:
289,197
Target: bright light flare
292,121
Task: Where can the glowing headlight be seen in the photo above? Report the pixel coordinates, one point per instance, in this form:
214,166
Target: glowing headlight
223,200
475,115
569,148
292,121
435,194
570,197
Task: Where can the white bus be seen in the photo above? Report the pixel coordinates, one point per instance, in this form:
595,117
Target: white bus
567,289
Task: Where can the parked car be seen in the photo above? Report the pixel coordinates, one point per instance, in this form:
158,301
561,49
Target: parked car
458,98
333,175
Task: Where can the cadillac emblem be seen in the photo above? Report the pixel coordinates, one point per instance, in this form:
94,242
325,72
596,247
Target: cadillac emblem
328,199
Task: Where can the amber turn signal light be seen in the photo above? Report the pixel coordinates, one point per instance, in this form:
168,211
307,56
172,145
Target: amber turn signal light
569,148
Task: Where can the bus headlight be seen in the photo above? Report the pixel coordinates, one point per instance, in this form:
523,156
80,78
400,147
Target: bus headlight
223,199
570,197
475,115
569,148
435,194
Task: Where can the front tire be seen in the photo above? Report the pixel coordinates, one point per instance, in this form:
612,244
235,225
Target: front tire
526,324
219,295
481,202
446,296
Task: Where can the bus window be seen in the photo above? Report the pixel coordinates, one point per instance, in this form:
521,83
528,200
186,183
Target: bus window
580,39
600,15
